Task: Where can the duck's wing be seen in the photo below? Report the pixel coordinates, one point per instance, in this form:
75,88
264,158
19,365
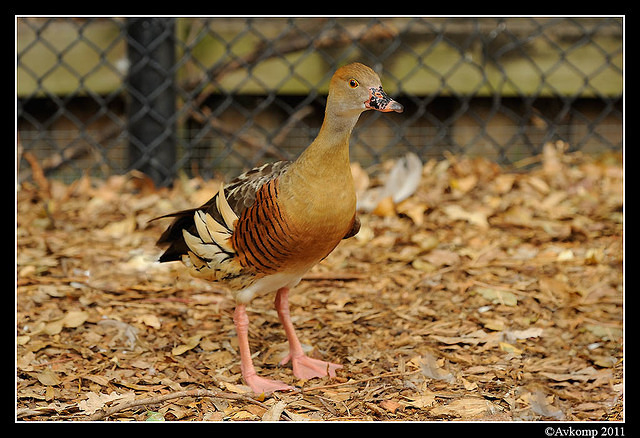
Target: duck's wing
240,193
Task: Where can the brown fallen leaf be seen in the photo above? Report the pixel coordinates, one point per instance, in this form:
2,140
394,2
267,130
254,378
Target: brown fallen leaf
469,386
244,415
97,401
509,348
464,184
477,217
474,338
442,257
420,401
72,319
604,332
275,411
413,209
582,375
150,320
120,228
503,183
189,344
498,296
385,207
390,405
48,377
466,408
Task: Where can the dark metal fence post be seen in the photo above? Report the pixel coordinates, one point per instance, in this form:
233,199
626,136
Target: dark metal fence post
152,97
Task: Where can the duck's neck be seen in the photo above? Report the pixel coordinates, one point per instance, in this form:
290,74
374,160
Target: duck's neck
321,176
329,152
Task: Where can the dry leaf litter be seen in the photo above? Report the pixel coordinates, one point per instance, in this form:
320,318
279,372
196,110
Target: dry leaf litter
472,292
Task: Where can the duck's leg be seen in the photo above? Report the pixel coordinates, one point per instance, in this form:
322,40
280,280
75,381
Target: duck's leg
304,367
258,384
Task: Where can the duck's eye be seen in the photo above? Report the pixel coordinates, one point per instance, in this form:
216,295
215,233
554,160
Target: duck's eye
353,83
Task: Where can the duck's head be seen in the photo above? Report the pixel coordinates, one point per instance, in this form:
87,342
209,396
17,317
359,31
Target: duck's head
357,88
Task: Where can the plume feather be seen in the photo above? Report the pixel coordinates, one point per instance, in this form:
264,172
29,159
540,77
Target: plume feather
225,210
214,226
223,241
206,251
202,226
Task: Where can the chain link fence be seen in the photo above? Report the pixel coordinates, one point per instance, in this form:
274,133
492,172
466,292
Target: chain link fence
214,96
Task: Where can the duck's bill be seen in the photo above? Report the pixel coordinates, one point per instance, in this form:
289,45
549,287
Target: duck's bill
380,101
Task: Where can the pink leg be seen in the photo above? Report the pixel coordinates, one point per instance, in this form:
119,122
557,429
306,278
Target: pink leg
303,367
258,384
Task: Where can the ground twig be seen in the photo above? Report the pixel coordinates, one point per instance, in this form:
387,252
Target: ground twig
104,413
